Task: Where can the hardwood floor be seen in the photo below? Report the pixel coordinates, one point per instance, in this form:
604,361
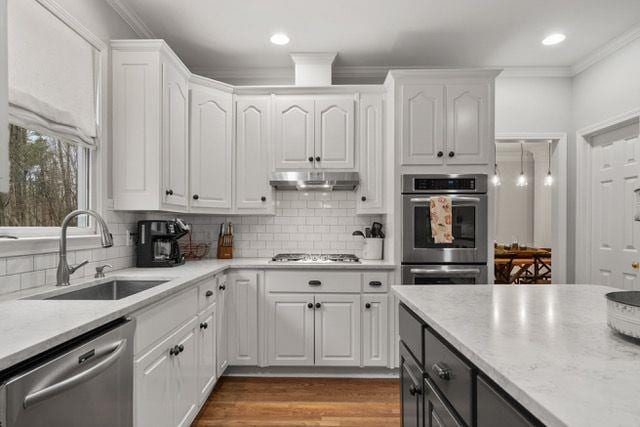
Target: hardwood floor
302,402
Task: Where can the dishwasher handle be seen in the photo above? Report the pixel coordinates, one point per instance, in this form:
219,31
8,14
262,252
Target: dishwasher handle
38,396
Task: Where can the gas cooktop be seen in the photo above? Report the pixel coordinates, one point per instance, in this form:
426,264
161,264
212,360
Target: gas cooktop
316,258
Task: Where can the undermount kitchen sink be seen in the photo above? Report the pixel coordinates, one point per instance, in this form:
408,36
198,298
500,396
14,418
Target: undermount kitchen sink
112,290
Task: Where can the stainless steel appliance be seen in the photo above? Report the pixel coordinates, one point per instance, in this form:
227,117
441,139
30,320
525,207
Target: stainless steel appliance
316,258
462,261
86,382
315,181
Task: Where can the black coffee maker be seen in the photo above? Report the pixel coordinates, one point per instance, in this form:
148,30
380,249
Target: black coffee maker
158,243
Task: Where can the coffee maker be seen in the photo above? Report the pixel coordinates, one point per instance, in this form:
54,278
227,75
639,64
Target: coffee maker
157,244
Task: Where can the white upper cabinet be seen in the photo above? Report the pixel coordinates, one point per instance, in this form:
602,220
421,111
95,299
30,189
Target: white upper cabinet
314,132
211,149
468,137
334,131
370,196
253,193
422,124
294,133
150,127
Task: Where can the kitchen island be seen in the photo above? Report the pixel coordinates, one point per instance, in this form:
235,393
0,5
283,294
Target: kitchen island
548,348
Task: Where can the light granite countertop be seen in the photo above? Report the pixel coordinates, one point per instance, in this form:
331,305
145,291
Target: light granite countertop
31,326
548,346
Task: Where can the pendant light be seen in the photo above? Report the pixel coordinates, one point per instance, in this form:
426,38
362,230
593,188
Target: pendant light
548,180
522,178
496,180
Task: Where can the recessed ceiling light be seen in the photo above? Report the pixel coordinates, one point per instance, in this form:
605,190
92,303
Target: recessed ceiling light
279,39
552,39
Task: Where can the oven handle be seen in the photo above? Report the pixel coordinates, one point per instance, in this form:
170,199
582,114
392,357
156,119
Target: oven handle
116,351
453,198
437,272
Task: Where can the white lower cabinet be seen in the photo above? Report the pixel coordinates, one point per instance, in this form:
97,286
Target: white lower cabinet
337,330
207,367
375,330
290,325
222,315
243,318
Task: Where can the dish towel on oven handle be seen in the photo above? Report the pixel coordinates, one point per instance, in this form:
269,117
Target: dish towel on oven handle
440,213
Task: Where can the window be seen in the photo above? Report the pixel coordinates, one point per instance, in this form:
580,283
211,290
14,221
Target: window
49,177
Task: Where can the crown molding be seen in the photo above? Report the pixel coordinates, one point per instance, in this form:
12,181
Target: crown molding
131,18
536,72
606,50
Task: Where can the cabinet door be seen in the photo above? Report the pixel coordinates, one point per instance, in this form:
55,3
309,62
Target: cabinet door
468,138
436,411
211,148
243,318
185,377
290,329
294,135
154,394
222,337
253,194
412,409
337,329
422,124
4,115
175,137
494,410
206,352
334,132
375,330
370,195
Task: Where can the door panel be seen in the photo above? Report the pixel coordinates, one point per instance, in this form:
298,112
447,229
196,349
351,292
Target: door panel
337,330
294,133
422,124
468,130
243,318
370,137
206,352
185,378
222,334
153,388
375,330
290,329
334,132
211,148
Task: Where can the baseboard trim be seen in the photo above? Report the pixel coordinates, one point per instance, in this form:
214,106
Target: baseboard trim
311,372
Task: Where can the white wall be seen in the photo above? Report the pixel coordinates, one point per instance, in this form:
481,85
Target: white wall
514,219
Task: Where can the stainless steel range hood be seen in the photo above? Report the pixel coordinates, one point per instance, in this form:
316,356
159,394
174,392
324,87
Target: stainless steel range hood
315,181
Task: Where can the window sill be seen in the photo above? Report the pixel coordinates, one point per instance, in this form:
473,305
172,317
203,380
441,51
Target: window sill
44,245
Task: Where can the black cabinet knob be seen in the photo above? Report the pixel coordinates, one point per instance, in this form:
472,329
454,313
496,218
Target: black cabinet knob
208,294
196,197
317,158
311,159
414,390
363,198
204,325
174,351
169,192
222,287
318,305
451,154
367,305
180,348
264,199
310,305
440,154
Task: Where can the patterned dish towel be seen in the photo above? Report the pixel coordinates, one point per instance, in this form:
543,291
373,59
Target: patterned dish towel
440,213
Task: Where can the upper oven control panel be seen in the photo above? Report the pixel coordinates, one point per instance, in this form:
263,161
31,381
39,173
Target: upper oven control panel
443,184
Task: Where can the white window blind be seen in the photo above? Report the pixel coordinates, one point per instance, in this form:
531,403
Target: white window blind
52,74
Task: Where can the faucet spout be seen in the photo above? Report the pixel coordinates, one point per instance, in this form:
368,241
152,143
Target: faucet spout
106,239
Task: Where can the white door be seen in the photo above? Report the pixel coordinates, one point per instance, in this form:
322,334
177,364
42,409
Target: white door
222,338
290,329
468,132
175,139
206,352
211,150
243,318
371,155
294,133
334,132
185,377
153,389
614,233
422,124
253,194
375,334
337,329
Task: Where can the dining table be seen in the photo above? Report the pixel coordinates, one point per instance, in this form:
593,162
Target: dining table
522,265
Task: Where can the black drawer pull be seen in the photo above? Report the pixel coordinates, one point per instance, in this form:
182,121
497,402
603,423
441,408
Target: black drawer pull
204,325
441,371
222,287
315,283
208,294
375,283
414,390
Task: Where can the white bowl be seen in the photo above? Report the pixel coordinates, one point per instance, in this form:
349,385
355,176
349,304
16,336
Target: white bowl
623,312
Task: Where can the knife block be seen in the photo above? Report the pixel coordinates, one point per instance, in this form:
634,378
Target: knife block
225,247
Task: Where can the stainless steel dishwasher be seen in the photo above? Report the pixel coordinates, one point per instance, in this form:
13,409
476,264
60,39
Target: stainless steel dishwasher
85,382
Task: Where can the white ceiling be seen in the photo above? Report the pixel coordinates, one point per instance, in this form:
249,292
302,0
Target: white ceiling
223,34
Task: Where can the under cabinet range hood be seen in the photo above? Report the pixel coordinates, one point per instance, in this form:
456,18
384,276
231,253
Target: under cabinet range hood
315,181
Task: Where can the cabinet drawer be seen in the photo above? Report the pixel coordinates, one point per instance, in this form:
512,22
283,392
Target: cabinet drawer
410,328
494,410
159,320
375,282
207,292
437,413
452,375
313,281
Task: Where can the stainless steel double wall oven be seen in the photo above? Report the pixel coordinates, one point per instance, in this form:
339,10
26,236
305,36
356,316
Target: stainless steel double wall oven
464,261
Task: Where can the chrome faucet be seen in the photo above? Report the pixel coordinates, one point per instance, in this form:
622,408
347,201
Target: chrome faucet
64,270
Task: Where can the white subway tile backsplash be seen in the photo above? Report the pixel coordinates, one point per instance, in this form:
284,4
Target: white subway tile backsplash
20,264
9,284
